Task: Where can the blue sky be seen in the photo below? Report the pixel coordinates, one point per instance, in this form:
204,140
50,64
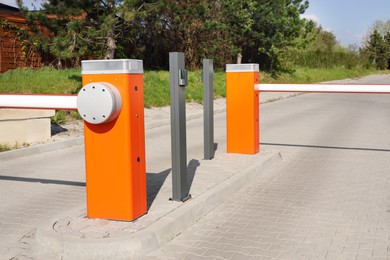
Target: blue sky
349,20
28,3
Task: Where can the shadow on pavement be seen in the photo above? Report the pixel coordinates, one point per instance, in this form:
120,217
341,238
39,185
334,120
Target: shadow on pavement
56,129
43,181
191,170
154,182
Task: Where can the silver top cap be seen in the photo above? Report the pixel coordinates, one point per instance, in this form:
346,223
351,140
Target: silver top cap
242,68
122,66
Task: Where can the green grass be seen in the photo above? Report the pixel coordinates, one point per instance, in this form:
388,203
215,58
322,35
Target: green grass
156,85
306,75
7,147
4,148
43,81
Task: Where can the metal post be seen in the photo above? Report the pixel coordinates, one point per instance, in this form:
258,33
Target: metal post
178,81
208,108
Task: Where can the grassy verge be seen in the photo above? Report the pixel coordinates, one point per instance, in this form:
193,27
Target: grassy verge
157,87
43,81
52,81
306,75
4,148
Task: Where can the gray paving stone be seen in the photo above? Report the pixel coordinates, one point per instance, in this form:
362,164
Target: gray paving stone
329,199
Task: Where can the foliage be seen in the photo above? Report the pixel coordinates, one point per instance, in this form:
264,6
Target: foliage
7,147
274,26
259,30
59,118
378,48
377,45
23,38
326,59
192,27
318,48
4,147
379,25
268,32
82,29
323,40
315,75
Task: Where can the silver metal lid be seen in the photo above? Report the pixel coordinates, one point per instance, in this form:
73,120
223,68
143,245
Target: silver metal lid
122,66
242,68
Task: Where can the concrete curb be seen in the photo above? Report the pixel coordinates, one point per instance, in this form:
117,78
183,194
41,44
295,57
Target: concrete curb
49,243
42,148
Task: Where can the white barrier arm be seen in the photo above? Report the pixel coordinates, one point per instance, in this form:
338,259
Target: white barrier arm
324,88
56,102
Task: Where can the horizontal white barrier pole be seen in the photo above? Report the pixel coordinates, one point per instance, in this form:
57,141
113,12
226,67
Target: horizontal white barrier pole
55,102
324,88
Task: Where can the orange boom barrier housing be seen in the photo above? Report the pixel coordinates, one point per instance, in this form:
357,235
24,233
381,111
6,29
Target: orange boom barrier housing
242,108
112,105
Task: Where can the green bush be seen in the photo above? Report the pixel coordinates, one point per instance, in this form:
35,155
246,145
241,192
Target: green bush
325,59
4,148
59,118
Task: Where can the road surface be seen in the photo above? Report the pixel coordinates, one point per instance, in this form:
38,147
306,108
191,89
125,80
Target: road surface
330,199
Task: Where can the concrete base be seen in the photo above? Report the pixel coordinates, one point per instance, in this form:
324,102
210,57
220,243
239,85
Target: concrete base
19,126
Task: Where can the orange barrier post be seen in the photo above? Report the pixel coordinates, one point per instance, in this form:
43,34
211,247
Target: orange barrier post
112,105
242,108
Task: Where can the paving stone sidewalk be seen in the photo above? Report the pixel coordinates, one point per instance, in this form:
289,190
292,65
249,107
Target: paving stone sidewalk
42,185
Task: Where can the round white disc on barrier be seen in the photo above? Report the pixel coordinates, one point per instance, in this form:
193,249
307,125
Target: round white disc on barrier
99,102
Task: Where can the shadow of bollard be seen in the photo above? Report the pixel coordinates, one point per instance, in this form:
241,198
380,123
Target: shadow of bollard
154,182
191,170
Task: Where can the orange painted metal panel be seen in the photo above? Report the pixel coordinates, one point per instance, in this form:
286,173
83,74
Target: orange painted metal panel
242,112
115,154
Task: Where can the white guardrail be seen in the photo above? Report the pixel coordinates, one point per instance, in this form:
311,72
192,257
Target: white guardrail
56,102
324,88
69,102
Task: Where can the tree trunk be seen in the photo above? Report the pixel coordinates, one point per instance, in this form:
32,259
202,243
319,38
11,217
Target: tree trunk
111,45
239,58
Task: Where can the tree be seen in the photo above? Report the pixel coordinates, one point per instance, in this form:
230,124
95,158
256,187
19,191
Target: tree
387,49
381,26
324,41
276,26
83,28
377,50
196,28
260,30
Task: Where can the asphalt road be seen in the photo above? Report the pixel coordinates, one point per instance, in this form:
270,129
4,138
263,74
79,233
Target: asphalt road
330,198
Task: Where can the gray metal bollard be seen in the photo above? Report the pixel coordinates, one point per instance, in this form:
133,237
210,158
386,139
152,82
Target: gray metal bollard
208,108
178,80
